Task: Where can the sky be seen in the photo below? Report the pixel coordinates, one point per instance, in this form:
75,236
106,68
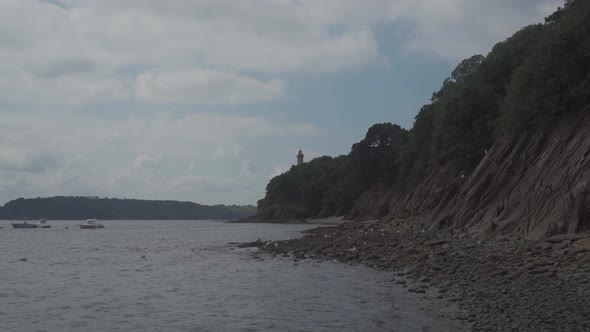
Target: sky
207,100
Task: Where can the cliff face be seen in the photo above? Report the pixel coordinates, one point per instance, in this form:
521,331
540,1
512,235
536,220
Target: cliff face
529,186
532,186
268,209
379,202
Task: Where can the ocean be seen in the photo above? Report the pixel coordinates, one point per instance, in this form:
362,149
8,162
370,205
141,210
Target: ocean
185,276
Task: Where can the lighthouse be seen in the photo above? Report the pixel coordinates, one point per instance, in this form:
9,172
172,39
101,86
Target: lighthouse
300,157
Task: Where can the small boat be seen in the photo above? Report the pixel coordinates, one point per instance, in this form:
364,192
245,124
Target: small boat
41,224
23,224
90,224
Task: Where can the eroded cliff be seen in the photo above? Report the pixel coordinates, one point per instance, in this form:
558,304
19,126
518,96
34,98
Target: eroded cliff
531,186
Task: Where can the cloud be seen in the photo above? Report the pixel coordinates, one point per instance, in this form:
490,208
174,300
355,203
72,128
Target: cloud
199,184
143,165
225,52
248,168
206,87
232,151
66,66
65,153
457,29
214,52
21,160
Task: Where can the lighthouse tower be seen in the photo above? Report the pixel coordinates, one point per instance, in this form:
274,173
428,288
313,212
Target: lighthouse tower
300,158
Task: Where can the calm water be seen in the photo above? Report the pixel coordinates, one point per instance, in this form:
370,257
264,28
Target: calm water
189,280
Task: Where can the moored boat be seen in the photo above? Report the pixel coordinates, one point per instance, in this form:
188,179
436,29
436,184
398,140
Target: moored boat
41,224
23,224
91,224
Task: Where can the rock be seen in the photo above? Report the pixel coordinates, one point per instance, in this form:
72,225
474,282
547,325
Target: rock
499,273
542,262
582,245
436,243
545,246
539,270
424,279
555,239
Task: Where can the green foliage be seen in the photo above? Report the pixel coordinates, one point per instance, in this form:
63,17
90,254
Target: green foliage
555,78
377,155
524,83
79,208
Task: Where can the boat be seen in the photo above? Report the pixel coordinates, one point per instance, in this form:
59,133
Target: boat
90,224
41,224
23,224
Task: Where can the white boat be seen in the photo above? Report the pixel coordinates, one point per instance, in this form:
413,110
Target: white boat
43,223
91,224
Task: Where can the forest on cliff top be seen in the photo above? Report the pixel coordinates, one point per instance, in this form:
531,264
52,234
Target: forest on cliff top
526,83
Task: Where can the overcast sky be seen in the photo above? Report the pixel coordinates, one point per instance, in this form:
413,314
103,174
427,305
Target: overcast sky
206,100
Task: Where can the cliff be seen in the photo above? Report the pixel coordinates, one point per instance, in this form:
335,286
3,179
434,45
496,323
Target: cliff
529,186
501,150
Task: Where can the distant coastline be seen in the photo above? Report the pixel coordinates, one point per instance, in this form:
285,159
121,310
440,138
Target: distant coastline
79,208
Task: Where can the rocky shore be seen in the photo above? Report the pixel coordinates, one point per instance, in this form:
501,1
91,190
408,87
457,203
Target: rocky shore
499,284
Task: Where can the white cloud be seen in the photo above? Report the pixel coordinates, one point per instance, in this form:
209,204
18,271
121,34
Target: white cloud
143,165
249,168
22,160
206,87
199,184
205,51
457,29
225,52
232,151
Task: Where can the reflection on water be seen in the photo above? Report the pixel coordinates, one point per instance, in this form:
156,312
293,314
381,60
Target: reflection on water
188,279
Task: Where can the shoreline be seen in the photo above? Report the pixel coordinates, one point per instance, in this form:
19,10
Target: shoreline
499,284
310,221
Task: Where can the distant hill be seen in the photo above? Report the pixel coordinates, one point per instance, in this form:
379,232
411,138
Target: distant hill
77,208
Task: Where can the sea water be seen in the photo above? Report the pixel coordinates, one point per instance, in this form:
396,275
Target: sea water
185,276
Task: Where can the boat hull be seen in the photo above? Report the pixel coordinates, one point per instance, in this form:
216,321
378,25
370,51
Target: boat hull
91,226
17,225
